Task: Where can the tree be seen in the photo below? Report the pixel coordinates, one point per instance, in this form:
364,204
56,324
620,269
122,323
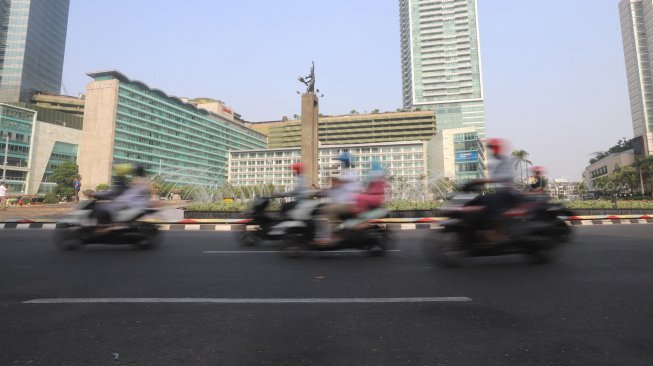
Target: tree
623,144
375,111
63,175
521,158
644,168
353,112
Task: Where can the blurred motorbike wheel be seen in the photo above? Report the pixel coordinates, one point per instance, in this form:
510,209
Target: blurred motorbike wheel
448,250
67,238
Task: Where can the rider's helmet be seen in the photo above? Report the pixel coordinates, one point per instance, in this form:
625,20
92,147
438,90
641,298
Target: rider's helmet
376,170
496,146
345,158
297,168
537,170
122,169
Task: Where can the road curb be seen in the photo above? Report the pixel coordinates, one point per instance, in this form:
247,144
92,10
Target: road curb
392,224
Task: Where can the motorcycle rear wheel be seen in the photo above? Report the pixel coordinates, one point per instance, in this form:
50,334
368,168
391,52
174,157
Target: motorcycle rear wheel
449,250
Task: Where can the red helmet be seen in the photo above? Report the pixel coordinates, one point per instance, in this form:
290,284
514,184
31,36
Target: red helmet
538,169
298,168
496,145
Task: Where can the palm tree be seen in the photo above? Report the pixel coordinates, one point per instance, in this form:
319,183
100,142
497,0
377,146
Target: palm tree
644,168
521,157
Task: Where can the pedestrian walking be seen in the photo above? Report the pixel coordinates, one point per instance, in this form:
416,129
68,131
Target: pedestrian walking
3,197
77,186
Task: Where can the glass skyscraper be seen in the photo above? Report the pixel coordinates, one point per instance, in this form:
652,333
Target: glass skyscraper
637,33
32,45
441,61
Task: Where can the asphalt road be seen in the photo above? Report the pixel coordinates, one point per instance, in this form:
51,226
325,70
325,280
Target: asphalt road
592,307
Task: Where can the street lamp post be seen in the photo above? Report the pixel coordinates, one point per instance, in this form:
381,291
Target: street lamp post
4,165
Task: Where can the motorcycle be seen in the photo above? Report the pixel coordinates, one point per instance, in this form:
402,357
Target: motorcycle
532,226
259,224
355,232
80,227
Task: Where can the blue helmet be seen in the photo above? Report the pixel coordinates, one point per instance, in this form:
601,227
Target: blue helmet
345,158
376,166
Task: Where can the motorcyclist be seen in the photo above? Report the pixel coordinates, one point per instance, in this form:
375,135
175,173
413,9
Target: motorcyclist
300,188
343,192
125,205
501,178
537,182
374,194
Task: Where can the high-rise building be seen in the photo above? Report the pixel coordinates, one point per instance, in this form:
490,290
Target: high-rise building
441,61
32,45
637,33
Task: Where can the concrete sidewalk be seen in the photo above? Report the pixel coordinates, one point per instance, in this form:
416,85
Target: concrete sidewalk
169,211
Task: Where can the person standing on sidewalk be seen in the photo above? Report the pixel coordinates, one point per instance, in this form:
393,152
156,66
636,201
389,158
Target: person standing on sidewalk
3,196
77,186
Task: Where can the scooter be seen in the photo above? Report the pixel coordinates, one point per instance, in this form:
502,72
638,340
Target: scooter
356,231
534,227
258,224
80,227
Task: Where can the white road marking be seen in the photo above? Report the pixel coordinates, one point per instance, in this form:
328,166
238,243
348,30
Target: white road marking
186,300
22,226
281,251
192,227
49,226
222,227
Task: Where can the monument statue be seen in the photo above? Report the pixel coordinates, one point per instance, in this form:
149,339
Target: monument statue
309,80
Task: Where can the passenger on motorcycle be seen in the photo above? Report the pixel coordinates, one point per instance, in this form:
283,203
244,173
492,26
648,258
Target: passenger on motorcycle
343,192
126,205
374,194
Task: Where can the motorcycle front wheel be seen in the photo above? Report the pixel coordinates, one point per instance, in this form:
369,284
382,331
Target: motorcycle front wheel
67,238
294,245
150,237
249,238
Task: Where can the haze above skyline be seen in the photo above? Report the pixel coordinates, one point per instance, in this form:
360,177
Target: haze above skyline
553,72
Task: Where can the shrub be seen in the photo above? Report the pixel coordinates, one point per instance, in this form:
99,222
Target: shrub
102,187
51,197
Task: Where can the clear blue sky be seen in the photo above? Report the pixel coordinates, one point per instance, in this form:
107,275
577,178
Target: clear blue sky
554,74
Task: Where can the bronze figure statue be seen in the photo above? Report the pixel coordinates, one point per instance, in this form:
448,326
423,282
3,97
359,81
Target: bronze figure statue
309,80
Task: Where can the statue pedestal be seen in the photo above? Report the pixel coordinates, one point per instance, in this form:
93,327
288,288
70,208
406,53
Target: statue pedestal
310,143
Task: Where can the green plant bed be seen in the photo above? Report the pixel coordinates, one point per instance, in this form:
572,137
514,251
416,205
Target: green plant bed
608,204
275,206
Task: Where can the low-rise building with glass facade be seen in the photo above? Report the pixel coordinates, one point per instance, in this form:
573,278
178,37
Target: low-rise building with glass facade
39,140
62,103
127,121
403,161
462,154
605,167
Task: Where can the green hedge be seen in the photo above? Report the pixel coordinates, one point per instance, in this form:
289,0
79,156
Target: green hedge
607,204
426,205
275,206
